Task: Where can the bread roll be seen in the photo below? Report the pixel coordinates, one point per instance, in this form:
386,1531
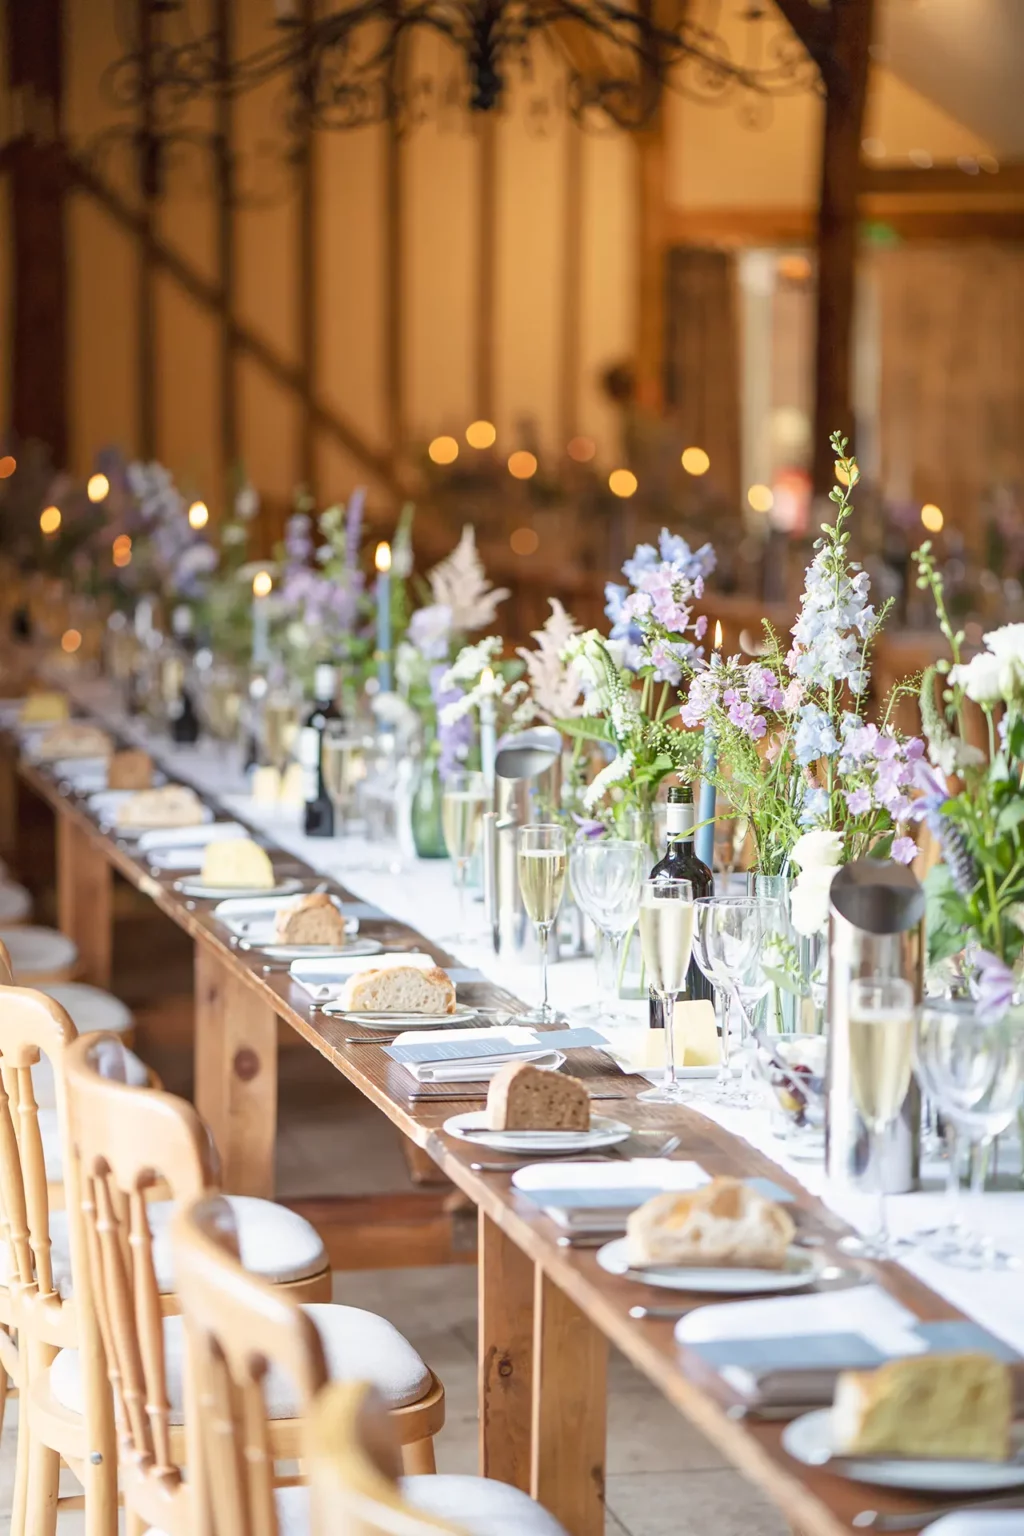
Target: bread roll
953,1406
310,919
131,769
522,1097
74,738
238,861
399,989
724,1224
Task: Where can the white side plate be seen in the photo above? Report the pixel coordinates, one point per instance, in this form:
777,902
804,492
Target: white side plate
800,1269
808,1440
472,1126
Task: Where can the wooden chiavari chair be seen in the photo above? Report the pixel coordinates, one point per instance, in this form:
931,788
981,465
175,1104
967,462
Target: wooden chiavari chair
123,1138
245,1340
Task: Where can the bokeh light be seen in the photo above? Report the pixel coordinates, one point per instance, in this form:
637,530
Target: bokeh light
931,517
481,434
8,464
70,640
524,541
198,514
522,464
122,550
50,520
760,498
97,487
262,584
622,482
695,461
443,450
581,449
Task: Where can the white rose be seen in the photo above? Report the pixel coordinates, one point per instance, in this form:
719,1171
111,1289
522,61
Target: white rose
1007,642
818,850
981,678
809,898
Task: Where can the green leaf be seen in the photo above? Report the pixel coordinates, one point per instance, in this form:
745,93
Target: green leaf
586,728
783,981
1015,738
1011,816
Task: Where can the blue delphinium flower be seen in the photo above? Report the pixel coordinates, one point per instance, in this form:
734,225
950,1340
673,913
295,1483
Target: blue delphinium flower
814,736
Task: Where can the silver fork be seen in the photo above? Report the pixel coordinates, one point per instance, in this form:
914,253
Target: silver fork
876,1520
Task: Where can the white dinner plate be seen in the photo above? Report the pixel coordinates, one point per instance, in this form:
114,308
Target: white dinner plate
317,951
472,1126
260,932
403,1021
808,1440
198,889
800,1269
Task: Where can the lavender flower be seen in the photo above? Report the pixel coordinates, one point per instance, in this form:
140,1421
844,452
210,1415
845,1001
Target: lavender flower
354,526
904,850
298,540
994,984
834,623
815,808
430,631
454,735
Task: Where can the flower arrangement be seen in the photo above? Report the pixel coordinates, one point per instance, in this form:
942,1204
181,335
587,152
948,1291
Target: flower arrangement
478,679
795,751
322,612
462,601
973,803
169,556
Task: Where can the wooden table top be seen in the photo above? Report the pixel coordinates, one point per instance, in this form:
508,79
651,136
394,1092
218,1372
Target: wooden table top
815,1501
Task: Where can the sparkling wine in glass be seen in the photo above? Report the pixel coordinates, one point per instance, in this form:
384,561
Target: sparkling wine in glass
542,860
281,718
881,1026
343,765
666,938
462,809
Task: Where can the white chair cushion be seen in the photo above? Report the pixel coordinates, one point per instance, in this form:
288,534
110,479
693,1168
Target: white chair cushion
15,902
358,1345
276,1244
90,1008
479,1506
38,952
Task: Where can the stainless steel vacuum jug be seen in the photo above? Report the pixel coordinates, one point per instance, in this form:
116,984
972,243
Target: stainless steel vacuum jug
876,918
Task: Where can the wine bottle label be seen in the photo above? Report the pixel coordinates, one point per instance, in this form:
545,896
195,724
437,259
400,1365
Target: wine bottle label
324,683
679,819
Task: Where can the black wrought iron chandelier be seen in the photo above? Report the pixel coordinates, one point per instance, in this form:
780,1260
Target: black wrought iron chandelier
353,66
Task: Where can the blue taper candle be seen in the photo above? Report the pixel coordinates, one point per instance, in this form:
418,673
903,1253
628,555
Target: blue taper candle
382,560
704,838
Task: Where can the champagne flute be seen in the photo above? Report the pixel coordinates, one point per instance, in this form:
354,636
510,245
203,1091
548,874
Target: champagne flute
462,808
542,863
606,876
282,715
666,938
881,1025
972,1068
729,935
343,764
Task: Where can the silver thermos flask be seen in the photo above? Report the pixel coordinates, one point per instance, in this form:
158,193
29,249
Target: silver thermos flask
876,918
527,788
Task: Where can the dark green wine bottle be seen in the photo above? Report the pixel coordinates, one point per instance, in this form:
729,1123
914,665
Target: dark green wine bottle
681,863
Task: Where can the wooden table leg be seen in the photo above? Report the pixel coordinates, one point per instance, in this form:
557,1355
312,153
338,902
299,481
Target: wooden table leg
570,1384
505,1356
85,901
8,800
236,1074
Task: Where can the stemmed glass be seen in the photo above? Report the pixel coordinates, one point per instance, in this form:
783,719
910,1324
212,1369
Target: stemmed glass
666,938
972,1068
729,933
343,757
606,875
881,1024
542,862
462,809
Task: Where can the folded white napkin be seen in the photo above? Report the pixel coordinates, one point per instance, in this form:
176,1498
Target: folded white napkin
867,1310
324,980
977,1522
470,1069
638,1173
191,837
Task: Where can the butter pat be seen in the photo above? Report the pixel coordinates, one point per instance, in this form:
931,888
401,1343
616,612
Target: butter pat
238,862
695,1038
266,786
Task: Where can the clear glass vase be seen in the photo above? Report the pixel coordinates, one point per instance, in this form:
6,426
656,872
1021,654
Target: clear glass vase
425,812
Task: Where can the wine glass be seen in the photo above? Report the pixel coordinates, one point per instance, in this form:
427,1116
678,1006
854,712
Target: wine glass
281,718
728,940
542,859
343,764
606,875
666,938
972,1067
462,808
881,1025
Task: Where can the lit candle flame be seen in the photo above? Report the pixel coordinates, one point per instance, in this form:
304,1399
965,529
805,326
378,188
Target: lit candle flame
487,678
262,583
382,559
718,634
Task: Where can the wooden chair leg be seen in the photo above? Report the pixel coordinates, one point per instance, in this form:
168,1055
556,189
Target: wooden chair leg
43,1479
19,1503
418,1458
3,1397
100,1484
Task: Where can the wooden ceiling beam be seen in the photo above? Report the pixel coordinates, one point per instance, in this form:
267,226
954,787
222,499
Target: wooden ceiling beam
907,180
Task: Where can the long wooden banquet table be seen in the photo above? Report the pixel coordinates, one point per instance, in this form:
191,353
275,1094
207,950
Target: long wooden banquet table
547,1314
